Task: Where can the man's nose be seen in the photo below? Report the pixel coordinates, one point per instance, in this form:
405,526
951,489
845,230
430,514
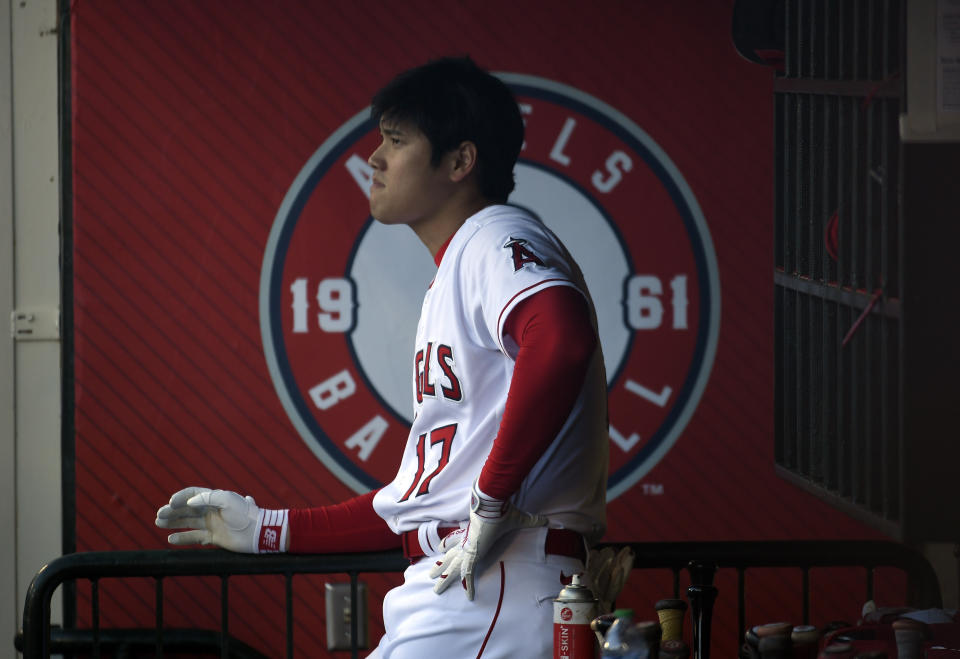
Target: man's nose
375,160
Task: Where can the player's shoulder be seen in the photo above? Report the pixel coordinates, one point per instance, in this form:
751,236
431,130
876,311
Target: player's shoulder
500,216
500,222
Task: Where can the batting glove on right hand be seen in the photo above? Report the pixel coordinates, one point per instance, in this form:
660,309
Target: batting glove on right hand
222,518
490,520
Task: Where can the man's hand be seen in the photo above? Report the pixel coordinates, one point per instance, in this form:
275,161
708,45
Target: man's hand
490,519
222,518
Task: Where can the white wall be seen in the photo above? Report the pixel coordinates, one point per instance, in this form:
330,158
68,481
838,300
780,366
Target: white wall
8,565
30,487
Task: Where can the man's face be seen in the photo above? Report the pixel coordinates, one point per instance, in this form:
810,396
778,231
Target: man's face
406,188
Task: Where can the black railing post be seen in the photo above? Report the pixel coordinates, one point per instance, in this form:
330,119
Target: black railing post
354,615
805,588
36,613
95,614
224,617
288,594
741,604
158,605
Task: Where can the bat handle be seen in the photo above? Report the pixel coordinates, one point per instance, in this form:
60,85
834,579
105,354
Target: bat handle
702,594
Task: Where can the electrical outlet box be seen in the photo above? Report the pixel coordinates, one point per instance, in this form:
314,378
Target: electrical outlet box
338,616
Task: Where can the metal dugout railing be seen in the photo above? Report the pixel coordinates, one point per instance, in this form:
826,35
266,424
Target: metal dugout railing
37,640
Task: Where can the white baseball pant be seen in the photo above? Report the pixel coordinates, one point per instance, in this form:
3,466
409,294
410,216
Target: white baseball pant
511,615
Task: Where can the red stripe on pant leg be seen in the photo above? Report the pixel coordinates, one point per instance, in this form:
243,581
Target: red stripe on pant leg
496,614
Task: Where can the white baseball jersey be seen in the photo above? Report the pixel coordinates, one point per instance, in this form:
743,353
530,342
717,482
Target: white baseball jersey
463,365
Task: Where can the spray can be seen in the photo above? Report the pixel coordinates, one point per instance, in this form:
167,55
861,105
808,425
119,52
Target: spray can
573,610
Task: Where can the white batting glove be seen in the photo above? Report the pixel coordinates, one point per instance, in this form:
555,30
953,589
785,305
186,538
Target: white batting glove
608,572
490,519
223,518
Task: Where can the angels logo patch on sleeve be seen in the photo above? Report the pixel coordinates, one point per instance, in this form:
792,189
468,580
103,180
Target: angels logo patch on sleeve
340,294
521,254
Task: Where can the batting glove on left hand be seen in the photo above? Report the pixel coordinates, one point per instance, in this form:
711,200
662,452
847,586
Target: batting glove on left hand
490,520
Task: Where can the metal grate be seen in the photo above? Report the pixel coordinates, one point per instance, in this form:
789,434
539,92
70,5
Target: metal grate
837,254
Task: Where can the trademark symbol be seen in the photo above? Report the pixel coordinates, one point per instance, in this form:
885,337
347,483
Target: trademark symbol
653,489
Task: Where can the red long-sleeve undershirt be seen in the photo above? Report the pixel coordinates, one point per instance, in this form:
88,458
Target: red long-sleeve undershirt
556,343
352,525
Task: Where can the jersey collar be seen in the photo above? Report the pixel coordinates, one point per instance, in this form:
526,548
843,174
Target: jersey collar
443,250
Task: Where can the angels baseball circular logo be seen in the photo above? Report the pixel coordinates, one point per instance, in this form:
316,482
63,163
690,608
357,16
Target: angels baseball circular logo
340,294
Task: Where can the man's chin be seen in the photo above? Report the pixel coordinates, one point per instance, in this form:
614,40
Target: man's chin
386,219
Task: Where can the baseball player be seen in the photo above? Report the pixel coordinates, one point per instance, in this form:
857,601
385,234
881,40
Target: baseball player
501,487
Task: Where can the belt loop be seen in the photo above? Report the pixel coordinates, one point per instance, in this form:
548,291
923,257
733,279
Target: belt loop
426,536
405,539
416,542
542,534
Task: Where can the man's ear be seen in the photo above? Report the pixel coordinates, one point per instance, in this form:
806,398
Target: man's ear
463,160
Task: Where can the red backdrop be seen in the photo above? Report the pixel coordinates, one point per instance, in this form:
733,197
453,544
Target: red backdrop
191,122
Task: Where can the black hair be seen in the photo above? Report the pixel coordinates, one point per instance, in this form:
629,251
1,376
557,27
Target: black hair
452,100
